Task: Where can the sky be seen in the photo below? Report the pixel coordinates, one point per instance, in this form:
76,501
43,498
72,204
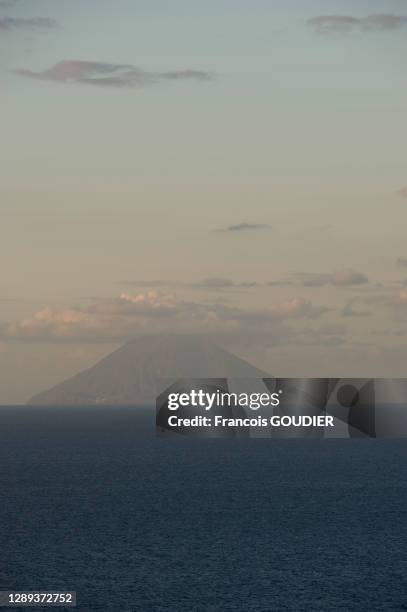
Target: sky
232,168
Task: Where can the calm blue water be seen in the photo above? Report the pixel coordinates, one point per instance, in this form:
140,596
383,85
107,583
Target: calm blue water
91,501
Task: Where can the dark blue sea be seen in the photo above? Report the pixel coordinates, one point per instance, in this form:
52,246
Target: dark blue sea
91,501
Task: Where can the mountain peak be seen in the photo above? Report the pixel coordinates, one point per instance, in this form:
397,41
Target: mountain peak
129,375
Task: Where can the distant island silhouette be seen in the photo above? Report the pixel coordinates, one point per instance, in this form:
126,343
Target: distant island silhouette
129,375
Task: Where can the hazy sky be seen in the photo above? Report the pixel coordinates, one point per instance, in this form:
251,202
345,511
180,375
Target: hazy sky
231,167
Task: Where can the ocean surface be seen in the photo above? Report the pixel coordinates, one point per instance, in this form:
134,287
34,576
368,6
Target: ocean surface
92,502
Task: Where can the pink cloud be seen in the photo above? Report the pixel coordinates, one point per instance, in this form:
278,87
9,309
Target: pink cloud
107,74
117,319
402,298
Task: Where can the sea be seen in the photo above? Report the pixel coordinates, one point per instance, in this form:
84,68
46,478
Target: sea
93,502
